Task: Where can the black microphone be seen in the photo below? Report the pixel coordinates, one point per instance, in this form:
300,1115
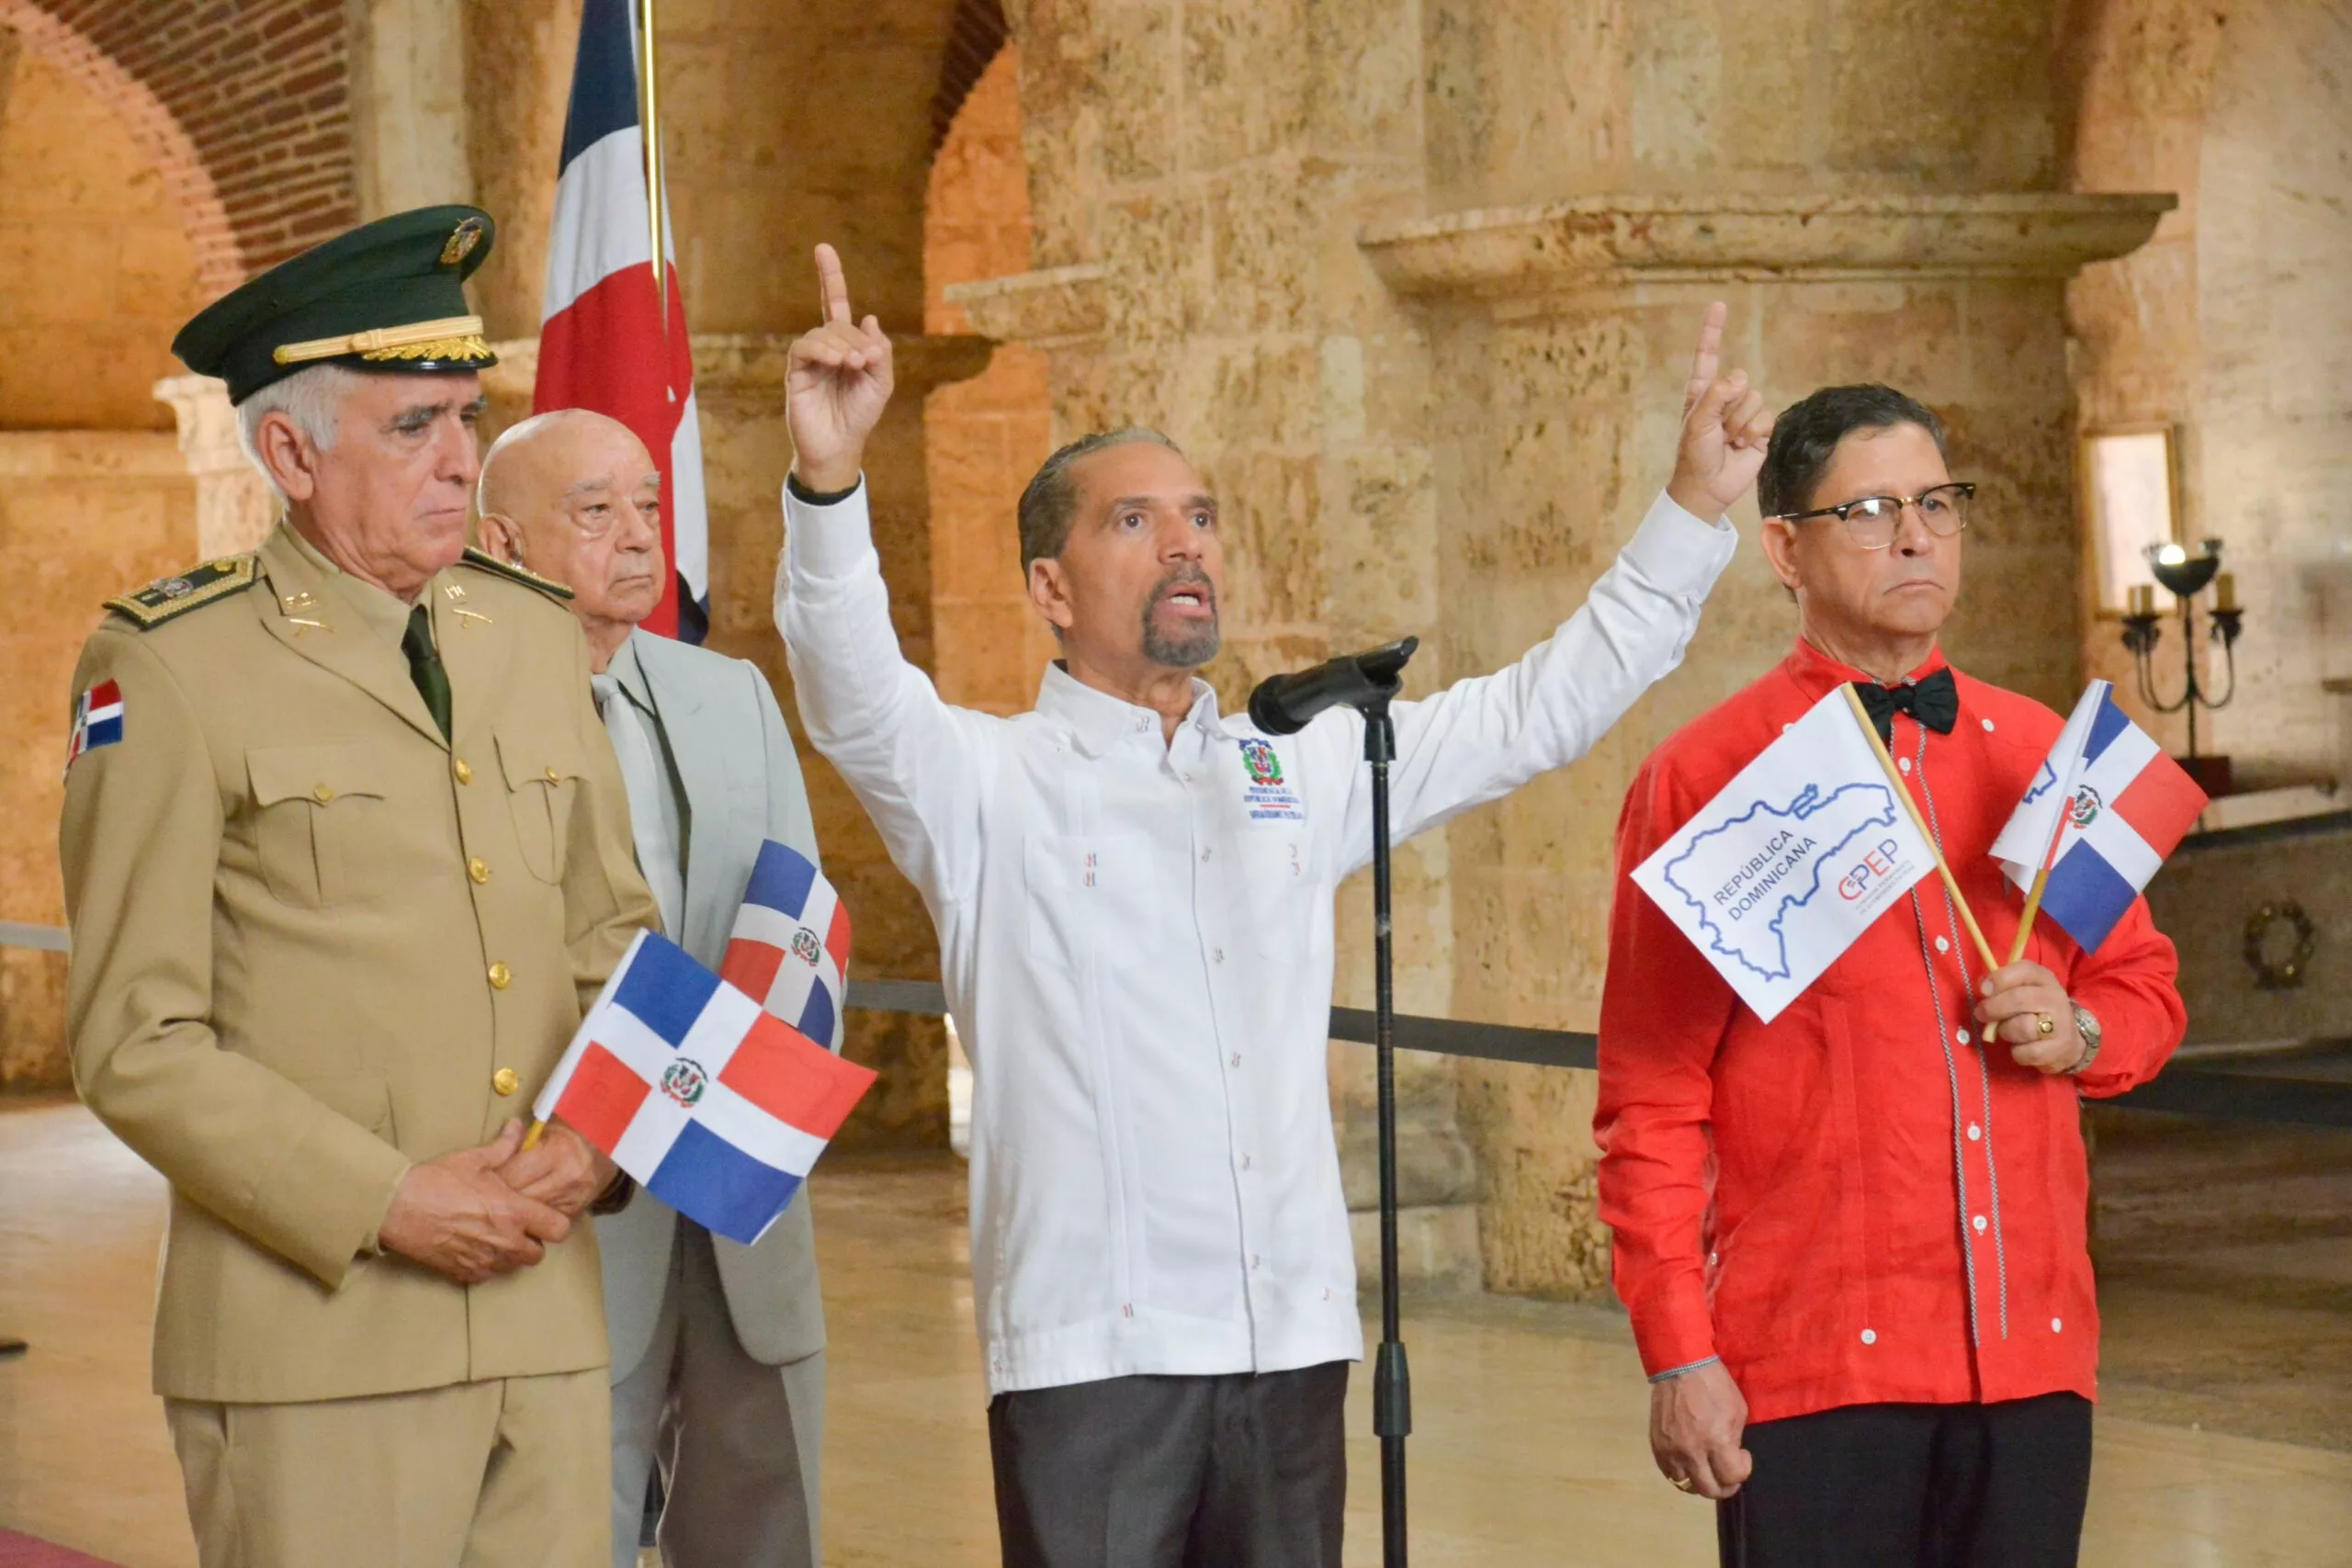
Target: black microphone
1282,705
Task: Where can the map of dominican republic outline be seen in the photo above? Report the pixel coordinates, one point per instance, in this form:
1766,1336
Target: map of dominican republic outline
1875,801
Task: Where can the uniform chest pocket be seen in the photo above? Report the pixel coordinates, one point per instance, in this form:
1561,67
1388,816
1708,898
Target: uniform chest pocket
541,783
1089,895
320,823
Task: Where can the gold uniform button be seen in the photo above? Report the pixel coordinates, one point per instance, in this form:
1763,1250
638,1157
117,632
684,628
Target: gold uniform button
323,793
506,1080
465,774
479,869
500,977
554,777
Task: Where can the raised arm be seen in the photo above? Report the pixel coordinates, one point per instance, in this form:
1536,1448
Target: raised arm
911,759
1481,739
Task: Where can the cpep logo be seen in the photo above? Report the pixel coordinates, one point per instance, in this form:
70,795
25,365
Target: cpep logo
1874,867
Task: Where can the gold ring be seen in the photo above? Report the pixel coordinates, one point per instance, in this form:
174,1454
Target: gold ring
1684,1483
2047,1024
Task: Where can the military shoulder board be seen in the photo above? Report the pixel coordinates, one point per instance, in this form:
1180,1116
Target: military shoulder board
523,575
160,601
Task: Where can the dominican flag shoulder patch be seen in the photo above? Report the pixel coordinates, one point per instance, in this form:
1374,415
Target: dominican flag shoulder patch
97,720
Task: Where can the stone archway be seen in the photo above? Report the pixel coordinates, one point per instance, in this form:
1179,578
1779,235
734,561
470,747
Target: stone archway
246,114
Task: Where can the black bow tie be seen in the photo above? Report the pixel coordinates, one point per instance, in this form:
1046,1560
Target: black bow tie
1933,701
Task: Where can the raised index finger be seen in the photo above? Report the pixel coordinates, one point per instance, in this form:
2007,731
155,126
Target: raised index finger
833,289
1704,363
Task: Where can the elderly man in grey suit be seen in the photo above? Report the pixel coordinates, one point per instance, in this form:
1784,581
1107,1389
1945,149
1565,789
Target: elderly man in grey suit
717,1349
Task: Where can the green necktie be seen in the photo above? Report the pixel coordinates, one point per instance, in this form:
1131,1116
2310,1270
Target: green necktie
424,667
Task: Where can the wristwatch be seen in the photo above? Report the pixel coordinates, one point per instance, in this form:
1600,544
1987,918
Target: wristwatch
2085,1025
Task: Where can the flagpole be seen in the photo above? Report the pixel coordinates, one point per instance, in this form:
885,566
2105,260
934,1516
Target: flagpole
650,94
1902,793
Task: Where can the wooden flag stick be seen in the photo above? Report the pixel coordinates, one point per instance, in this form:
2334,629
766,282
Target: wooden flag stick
1902,793
2032,905
531,1138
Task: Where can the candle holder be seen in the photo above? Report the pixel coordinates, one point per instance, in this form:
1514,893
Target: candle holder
2185,577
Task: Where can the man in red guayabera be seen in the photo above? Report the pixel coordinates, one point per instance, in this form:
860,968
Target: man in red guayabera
1852,1240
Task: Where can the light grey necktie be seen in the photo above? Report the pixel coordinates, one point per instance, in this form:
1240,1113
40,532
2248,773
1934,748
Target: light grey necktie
649,790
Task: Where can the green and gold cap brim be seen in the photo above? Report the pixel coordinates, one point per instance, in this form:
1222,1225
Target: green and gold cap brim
389,296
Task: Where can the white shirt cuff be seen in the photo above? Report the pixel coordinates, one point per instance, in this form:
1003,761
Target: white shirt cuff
828,543
1678,552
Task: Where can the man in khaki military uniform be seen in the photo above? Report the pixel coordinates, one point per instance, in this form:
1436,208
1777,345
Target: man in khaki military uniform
346,854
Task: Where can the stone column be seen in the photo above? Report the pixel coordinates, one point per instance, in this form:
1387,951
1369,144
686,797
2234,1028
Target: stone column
234,510
1561,337
408,104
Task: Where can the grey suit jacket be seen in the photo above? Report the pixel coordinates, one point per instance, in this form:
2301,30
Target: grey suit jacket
742,785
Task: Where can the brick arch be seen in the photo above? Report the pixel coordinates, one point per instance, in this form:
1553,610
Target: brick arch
243,107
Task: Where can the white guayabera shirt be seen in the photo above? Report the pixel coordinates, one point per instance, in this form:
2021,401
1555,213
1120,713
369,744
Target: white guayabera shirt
1135,940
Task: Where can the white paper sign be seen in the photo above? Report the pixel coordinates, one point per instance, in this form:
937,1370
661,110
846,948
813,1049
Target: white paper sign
1777,876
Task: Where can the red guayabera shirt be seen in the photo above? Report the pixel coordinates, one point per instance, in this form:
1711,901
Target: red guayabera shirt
1858,1202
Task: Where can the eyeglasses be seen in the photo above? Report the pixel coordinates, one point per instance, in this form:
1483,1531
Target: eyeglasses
1872,520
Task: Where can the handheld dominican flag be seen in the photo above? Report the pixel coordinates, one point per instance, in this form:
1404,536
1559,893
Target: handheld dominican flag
606,341
2105,810
718,1108
97,720
790,946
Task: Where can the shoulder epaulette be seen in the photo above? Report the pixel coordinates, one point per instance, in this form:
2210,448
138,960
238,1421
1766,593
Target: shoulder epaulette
523,575
169,596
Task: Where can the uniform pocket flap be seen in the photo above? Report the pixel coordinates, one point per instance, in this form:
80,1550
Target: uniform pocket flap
312,773
527,762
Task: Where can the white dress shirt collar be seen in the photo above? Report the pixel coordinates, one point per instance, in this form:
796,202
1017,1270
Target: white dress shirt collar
1096,720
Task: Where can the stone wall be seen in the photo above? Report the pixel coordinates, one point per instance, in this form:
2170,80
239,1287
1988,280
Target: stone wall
2225,327
102,270
984,437
84,516
240,105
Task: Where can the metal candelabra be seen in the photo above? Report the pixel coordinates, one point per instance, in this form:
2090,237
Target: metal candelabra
2185,577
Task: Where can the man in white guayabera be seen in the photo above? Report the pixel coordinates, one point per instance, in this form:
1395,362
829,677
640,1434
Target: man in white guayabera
1133,898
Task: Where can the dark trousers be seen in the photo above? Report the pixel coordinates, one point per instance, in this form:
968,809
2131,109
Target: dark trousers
1915,1486
1242,1470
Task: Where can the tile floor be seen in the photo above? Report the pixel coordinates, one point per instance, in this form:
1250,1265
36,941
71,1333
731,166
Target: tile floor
1529,1447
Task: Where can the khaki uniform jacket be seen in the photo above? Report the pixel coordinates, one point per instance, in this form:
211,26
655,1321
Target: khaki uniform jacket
313,944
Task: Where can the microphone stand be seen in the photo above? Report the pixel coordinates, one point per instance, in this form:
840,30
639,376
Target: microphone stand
1391,1382
1284,705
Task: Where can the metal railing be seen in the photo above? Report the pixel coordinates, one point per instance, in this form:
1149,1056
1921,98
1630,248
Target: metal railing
2207,1084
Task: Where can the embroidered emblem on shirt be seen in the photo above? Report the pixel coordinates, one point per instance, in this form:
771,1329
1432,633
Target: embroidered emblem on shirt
683,1081
1267,796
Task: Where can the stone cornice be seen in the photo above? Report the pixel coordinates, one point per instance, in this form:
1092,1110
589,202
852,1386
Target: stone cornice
1507,252
1055,309
752,364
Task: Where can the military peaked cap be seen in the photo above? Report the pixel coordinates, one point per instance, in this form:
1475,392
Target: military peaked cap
387,296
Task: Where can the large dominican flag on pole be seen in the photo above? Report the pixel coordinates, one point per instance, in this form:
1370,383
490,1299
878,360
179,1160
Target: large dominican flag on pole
718,1107
603,343
2105,810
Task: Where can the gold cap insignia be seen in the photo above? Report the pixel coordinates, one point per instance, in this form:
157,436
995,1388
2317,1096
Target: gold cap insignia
462,241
